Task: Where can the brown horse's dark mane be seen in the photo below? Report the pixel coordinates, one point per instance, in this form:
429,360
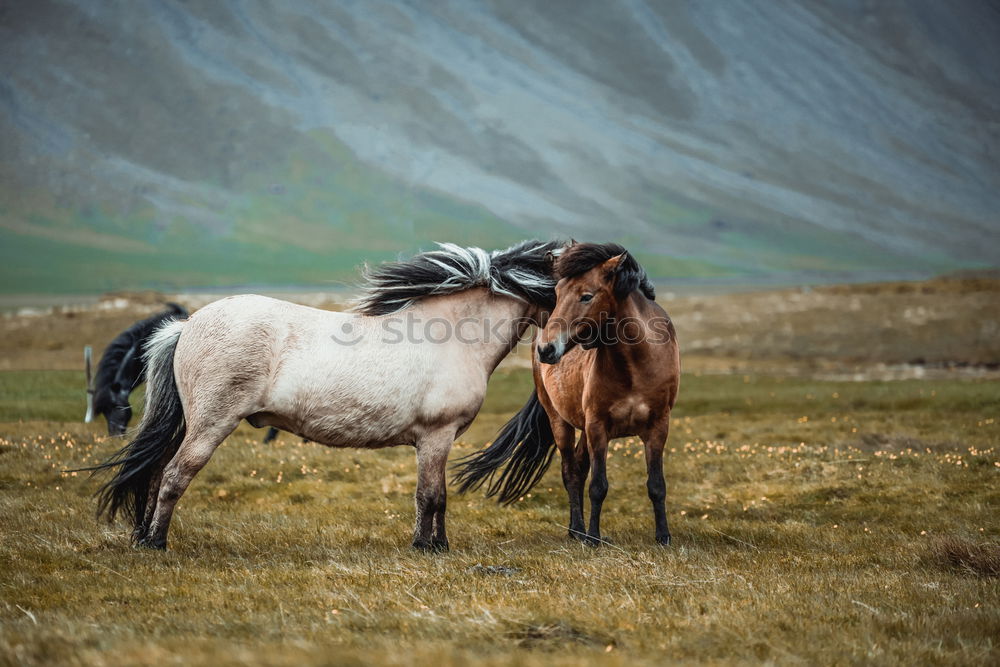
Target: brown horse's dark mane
579,258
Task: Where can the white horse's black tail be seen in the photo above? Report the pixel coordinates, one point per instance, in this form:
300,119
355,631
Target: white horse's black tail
159,434
525,444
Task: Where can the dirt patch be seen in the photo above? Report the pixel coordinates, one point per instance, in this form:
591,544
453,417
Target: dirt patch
914,329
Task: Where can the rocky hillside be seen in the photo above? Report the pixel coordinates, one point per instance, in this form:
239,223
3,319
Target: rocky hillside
160,143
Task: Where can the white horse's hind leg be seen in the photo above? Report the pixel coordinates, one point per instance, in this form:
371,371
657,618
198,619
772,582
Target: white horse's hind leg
432,494
195,451
141,533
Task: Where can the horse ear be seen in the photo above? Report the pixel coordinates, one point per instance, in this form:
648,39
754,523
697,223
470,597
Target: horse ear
612,265
621,273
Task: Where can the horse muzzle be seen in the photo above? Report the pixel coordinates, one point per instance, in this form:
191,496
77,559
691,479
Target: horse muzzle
552,352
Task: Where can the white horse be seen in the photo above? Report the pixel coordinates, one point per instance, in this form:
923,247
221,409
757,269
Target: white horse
408,366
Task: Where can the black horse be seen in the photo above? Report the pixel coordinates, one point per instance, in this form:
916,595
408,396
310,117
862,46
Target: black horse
122,368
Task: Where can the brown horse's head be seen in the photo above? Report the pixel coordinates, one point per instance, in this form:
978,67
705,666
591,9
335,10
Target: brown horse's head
593,279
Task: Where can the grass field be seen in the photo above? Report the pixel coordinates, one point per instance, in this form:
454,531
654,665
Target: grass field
814,522
817,522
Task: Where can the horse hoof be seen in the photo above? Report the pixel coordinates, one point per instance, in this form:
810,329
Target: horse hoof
428,546
595,540
150,543
663,540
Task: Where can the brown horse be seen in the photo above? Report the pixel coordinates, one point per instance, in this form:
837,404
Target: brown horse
606,363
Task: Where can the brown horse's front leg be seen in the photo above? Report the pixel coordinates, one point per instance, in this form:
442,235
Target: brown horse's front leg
597,442
432,496
573,473
654,441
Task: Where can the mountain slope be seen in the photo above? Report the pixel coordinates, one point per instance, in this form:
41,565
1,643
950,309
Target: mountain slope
160,143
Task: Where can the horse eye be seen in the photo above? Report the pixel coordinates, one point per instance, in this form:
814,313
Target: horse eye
586,297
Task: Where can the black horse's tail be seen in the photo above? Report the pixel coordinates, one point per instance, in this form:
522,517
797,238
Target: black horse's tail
159,434
525,444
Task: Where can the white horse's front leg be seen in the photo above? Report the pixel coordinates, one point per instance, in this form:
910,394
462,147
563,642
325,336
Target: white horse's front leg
431,498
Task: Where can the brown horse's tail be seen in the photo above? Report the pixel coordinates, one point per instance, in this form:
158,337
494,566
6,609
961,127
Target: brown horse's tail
159,435
525,444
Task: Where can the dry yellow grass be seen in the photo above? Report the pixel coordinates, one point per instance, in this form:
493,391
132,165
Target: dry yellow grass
806,530
981,559
814,522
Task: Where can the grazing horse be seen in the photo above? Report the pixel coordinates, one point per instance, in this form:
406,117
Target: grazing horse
606,363
408,366
121,370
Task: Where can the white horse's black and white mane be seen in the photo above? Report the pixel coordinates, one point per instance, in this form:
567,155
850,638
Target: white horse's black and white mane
523,271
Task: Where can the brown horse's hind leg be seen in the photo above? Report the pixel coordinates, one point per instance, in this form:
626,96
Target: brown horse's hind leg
597,443
654,442
191,456
431,499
